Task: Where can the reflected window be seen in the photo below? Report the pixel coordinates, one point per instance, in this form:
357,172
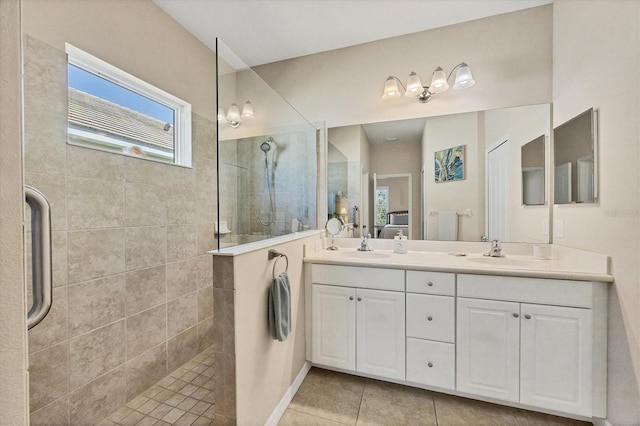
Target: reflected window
113,111
382,204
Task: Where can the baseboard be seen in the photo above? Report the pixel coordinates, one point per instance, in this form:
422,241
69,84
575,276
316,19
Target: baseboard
277,413
601,422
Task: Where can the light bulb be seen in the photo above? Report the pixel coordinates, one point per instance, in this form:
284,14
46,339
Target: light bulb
247,110
233,115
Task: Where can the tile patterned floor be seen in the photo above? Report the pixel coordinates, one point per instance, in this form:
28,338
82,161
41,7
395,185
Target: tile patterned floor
330,398
184,398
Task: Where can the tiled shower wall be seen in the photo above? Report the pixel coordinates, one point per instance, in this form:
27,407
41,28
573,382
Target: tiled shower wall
133,295
244,192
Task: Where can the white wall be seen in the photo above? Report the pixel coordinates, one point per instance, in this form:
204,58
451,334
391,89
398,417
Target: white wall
596,47
265,368
509,54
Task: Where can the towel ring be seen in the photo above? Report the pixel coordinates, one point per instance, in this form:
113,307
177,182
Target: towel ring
273,254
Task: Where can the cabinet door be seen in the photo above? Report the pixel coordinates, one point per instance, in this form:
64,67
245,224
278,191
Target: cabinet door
555,358
487,348
381,333
431,363
334,326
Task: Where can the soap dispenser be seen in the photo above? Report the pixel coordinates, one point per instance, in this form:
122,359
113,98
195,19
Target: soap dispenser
400,243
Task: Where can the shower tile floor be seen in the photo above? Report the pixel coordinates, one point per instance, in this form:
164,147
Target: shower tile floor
183,398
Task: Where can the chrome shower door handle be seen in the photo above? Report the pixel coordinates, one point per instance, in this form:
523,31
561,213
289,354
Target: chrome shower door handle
40,255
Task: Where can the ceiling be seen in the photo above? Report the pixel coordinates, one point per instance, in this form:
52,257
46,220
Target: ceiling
264,31
401,131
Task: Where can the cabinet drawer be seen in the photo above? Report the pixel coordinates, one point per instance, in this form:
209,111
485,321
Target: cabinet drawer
431,317
431,363
354,276
441,283
529,290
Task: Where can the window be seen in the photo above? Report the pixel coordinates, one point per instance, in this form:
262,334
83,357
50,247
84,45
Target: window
113,111
382,204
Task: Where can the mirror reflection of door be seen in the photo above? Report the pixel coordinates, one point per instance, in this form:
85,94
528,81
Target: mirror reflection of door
497,184
392,205
364,227
562,184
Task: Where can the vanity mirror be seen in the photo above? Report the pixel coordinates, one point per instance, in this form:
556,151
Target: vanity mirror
487,200
575,160
334,226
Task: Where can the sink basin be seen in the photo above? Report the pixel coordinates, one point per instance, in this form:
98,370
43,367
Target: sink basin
500,261
365,254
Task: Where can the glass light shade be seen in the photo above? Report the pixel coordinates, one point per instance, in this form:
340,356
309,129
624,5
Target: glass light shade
414,85
391,90
221,114
247,110
438,81
233,115
464,79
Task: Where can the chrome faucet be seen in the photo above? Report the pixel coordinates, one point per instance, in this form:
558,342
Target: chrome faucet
364,244
495,250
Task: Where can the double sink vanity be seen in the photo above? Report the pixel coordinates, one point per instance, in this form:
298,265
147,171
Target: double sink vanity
514,330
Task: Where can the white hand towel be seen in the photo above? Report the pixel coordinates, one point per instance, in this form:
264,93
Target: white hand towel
448,226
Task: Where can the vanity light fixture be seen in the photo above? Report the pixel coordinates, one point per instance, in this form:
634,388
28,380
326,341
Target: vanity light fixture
439,83
233,116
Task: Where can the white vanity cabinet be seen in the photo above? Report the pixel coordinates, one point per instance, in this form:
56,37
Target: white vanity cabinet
536,343
536,354
359,329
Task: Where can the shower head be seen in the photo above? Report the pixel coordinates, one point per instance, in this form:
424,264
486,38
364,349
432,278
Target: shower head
266,145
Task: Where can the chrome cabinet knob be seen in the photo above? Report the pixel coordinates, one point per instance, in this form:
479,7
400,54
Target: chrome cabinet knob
429,318
430,284
516,315
359,299
350,297
527,316
430,364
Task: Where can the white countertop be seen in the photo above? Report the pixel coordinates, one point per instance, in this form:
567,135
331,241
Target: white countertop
470,263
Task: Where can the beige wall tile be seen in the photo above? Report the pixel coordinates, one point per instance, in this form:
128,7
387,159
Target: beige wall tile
54,187
144,171
90,163
207,212
181,205
204,137
145,205
205,270
181,242
96,400
96,303
223,320
182,348
223,271
145,288
145,370
225,384
53,328
58,258
56,413
205,334
206,238
145,246
182,314
205,303
45,112
95,353
48,376
95,203
146,330
95,254
181,277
